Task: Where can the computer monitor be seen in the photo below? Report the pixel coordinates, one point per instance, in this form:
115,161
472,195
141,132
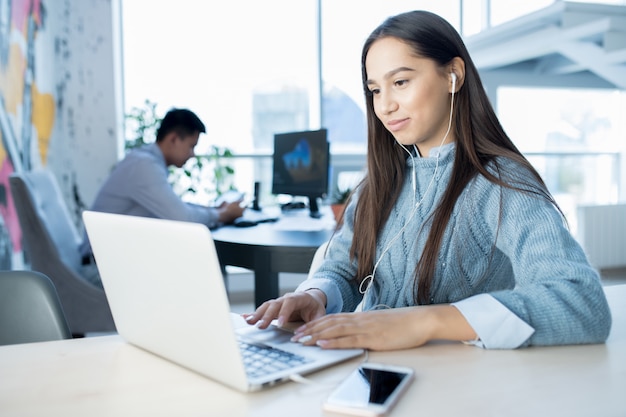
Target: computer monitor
301,165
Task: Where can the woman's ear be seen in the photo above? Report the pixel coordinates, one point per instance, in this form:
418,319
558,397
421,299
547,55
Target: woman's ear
457,74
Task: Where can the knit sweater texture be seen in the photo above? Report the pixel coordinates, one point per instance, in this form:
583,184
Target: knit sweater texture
512,245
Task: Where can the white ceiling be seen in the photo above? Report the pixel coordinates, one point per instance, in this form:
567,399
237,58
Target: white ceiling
566,44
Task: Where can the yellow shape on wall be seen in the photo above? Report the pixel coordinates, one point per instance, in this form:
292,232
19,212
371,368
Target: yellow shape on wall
43,119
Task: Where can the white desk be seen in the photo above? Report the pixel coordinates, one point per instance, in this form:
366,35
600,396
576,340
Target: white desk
103,376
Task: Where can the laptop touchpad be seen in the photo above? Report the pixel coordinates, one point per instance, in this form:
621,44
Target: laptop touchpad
272,334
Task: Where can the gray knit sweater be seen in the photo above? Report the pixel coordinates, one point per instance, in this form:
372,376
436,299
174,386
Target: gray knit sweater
525,258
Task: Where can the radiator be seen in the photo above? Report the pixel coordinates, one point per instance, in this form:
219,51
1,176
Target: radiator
602,234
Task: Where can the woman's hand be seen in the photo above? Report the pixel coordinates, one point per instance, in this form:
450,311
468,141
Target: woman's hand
296,306
393,329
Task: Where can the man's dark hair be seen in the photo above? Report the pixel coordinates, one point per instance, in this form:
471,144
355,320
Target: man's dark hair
182,121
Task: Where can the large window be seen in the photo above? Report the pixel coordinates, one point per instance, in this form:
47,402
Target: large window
575,138
253,68
248,68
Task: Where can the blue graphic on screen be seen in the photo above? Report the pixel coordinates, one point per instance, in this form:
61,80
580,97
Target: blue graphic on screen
298,162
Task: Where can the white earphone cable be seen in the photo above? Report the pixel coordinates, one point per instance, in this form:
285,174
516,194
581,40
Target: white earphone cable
367,282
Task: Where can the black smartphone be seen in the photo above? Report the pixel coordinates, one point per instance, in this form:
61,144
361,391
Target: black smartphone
370,390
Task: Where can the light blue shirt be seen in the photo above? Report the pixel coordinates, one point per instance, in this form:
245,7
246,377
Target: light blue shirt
139,186
507,261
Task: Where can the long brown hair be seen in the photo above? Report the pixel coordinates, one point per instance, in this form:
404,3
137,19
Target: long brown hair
479,140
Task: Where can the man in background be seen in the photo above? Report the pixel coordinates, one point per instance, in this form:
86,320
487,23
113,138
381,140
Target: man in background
139,185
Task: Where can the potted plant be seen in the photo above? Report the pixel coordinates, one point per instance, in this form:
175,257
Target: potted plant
338,202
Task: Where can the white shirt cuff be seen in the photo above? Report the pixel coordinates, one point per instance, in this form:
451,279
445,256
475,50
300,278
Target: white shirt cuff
496,326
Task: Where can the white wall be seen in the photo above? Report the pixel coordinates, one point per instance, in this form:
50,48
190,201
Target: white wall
87,70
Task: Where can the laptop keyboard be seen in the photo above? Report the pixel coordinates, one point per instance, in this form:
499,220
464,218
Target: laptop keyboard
260,360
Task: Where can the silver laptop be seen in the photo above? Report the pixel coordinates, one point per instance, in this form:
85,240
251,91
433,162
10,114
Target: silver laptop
166,291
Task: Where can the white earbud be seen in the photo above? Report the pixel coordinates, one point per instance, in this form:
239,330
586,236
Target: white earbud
453,76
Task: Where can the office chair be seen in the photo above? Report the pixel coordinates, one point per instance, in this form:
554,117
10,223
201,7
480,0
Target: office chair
318,258
30,310
51,243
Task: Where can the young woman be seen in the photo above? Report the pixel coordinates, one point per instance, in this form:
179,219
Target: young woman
452,234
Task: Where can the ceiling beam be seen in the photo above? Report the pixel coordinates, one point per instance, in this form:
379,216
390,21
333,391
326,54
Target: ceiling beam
593,58
562,39
533,45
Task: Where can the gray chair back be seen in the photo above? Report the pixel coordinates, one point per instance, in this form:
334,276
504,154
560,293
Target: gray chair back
54,215
30,309
51,243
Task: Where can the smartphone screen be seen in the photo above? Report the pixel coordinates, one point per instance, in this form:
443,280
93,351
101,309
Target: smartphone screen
370,390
